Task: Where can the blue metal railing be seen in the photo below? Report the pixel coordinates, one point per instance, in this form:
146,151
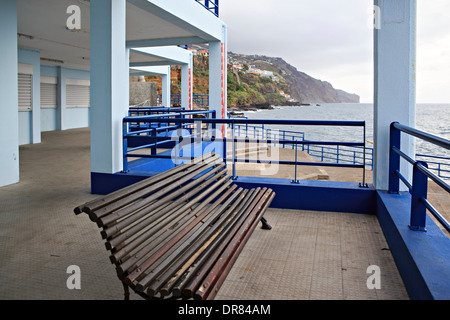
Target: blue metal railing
173,122
338,154
211,5
440,165
145,132
199,100
421,173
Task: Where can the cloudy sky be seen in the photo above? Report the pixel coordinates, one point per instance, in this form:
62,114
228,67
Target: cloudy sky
331,40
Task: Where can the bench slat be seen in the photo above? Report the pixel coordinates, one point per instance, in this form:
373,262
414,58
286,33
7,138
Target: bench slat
193,250
188,242
215,288
173,240
230,251
194,283
185,205
162,201
166,187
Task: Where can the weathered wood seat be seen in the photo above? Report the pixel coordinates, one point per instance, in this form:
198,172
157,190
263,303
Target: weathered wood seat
177,234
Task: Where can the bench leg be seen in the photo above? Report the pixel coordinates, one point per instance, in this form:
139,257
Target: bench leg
265,225
126,292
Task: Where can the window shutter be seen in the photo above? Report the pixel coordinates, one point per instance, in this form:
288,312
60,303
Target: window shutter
25,89
48,95
77,93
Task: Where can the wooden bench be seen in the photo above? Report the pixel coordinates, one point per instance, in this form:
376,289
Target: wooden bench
177,234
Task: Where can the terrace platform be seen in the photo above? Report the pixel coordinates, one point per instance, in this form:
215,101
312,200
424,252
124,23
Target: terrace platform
307,255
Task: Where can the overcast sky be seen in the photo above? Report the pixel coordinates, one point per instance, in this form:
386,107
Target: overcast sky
330,40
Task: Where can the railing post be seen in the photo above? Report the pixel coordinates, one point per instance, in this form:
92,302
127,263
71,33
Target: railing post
394,160
337,153
154,147
125,145
419,192
234,151
295,172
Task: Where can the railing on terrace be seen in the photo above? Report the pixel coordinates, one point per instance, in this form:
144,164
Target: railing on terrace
421,173
440,165
199,133
150,131
211,5
199,100
338,154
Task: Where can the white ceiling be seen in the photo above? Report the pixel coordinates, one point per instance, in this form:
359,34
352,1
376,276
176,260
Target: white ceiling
42,26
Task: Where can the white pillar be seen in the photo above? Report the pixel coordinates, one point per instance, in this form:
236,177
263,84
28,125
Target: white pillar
218,77
395,81
9,119
165,88
187,83
109,83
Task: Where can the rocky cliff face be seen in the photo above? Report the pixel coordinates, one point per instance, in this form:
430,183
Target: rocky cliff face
300,86
246,89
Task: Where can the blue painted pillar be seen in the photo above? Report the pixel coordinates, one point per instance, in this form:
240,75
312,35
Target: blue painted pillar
187,83
165,88
394,83
30,121
218,77
109,75
9,119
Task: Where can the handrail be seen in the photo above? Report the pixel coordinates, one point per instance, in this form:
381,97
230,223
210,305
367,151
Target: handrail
439,141
177,119
419,186
210,5
344,155
254,121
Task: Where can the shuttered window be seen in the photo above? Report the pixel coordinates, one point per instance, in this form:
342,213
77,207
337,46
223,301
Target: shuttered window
48,92
77,93
25,90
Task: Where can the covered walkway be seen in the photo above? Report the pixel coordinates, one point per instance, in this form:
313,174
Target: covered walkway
307,255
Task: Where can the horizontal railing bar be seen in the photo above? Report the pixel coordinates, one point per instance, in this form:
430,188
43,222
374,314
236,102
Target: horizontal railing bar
433,177
436,214
403,179
423,135
268,141
133,133
244,121
158,117
435,157
404,155
323,164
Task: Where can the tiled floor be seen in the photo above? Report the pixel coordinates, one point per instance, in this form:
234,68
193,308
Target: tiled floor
307,255
314,255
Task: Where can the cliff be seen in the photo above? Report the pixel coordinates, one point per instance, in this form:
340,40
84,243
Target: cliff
300,86
279,84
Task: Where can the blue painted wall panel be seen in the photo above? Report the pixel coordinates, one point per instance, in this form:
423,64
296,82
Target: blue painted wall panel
423,258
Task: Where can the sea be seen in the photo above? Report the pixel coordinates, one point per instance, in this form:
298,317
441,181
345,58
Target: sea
431,118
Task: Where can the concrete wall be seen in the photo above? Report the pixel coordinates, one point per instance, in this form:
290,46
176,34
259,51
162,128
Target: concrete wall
32,123
143,91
